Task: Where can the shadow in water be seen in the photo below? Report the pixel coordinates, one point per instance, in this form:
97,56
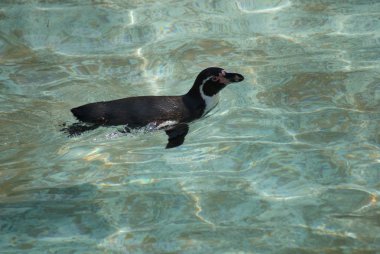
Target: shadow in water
52,217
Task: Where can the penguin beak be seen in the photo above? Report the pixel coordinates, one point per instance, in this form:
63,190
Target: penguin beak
233,77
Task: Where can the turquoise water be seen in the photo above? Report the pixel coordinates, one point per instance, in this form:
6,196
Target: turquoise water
288,162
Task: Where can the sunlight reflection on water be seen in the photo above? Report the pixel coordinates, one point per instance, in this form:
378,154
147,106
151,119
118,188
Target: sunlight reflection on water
289,161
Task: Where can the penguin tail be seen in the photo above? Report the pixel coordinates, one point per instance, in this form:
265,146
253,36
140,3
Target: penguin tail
78,128
87,113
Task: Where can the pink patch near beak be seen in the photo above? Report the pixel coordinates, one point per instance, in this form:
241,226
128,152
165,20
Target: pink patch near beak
222,79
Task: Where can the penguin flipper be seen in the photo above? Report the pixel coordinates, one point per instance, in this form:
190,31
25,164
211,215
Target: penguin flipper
177,135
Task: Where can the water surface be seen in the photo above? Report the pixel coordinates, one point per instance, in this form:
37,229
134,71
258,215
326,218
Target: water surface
289,161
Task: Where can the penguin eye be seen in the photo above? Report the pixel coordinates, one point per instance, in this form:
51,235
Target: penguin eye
214,78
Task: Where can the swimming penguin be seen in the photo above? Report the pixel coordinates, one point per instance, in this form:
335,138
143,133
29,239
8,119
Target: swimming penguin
169,113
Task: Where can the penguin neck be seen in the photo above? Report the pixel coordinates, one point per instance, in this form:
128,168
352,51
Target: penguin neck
194,91
210,100
197,95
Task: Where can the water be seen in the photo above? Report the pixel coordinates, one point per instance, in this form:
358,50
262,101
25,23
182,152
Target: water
289,161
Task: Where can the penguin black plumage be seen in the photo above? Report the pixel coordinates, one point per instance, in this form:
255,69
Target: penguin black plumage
169,113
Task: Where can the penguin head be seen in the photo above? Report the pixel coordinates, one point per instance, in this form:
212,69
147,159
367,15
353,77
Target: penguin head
213,79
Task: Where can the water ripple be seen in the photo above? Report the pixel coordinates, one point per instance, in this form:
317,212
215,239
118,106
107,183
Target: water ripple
288,162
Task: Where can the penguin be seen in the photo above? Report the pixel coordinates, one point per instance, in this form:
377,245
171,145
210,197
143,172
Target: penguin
169,113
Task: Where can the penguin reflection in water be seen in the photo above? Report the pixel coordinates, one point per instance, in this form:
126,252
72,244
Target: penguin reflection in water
169,113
